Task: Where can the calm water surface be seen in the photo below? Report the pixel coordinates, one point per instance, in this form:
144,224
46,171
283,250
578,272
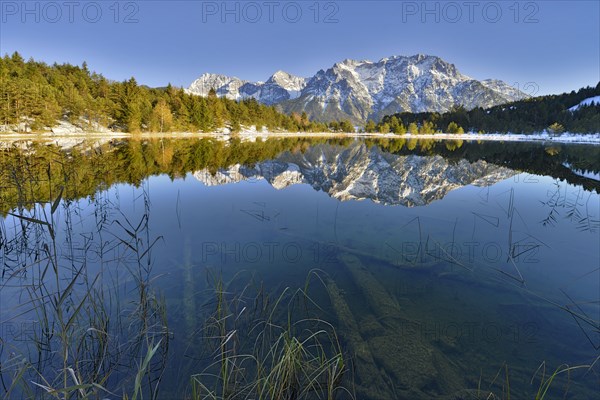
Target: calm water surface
462,267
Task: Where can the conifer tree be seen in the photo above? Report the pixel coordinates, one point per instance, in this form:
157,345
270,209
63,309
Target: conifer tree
346,126
370,127
384,128
412,128
427,127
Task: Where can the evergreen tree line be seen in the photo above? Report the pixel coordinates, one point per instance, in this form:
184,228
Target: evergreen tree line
35,95
550,113
394,124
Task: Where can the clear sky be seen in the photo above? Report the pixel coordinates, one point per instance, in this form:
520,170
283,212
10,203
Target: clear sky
541,46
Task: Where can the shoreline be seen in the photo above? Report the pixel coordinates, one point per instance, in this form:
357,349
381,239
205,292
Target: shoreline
565,138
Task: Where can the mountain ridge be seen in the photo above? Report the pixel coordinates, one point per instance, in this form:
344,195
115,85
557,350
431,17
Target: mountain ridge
361,89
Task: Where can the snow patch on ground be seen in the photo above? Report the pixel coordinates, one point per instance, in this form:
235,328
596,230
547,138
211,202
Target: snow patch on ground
589,138
66,128
251,133
23,127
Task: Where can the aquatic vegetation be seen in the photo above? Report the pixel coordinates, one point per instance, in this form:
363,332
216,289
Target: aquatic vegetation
81,330
269,349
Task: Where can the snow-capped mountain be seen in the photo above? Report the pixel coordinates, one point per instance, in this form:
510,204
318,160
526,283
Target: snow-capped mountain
360,90
359,172
278,88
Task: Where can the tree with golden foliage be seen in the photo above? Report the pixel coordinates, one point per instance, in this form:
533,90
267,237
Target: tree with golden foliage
162,118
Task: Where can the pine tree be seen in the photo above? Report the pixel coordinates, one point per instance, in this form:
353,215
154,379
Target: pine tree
395,124
384,128
235,126
133,120
427,127
454,128
346,126
370,127
400,130
412,128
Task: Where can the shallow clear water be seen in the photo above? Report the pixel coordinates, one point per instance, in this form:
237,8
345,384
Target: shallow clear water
463,265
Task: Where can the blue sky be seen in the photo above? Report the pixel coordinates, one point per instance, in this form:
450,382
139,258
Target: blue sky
540,46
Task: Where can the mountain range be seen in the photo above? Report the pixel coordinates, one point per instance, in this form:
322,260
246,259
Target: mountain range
361,90
360,172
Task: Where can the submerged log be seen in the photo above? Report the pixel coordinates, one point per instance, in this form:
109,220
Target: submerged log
368,377
426,266
417,368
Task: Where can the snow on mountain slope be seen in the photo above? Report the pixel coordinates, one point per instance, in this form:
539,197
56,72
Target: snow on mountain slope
279,87
293,84
359,90
587,102
225,86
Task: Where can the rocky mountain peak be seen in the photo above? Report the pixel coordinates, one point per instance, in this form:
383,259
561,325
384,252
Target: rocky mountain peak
287,81
361,90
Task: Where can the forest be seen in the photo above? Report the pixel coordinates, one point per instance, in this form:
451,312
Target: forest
36,95
532,115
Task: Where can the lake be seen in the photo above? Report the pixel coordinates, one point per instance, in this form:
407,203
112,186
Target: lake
300,268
